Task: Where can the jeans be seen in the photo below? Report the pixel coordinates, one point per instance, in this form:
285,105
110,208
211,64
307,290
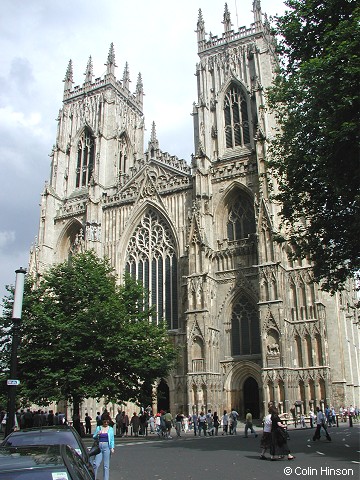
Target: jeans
103,455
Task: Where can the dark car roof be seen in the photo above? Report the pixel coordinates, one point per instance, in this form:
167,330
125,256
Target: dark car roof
41,462
44,435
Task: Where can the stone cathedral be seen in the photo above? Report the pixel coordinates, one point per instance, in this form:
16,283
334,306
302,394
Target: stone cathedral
199,234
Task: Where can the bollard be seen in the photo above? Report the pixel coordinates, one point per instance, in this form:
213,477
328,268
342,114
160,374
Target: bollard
350,421
337,420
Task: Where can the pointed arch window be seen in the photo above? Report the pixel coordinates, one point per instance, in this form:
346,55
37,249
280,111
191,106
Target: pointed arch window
123,155
85,159
237,131
241,218
151,258
245,332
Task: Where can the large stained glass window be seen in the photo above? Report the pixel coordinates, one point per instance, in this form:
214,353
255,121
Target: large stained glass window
151,258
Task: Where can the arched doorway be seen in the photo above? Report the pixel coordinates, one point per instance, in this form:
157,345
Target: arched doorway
251,397
163,396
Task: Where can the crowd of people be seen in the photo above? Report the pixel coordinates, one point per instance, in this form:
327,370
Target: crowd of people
34,418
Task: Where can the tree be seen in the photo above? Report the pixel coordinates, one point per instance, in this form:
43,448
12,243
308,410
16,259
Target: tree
315,154
83,336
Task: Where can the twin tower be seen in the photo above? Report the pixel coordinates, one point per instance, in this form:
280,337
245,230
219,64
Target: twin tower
199,233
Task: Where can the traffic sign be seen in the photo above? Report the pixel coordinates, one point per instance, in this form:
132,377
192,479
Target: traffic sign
13,382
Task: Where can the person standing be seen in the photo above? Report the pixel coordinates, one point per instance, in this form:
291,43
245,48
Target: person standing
225,422
178,423
135,424
202,424
152,423
249,424
234,418
210,423
118,422
216,423
168,423
77,423
124,424
98,419
87,424
105,434
50,418
195,423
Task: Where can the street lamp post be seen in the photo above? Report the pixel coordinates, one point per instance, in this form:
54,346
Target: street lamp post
16,318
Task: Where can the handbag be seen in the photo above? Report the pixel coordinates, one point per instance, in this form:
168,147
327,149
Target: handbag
282,435
95,449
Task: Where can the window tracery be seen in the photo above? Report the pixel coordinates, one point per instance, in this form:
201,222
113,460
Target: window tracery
85,159
151,258
237,131
241,219
245,332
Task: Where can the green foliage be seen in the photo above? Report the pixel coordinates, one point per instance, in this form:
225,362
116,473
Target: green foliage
315,155
83,336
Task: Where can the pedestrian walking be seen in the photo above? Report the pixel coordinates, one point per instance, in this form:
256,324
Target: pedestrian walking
279,447
249,424
265,443
320,423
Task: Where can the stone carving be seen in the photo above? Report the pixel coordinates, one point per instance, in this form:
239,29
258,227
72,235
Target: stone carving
273,349
93,232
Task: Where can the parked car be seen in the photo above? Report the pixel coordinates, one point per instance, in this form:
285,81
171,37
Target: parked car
44,462
56,435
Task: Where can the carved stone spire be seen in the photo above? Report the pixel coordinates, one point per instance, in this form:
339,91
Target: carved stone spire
227,19
139,89
257,11
126,77
153,142
68,80
89,71
200,27
110,64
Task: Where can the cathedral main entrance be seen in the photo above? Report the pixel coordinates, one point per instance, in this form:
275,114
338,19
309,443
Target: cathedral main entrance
163,396
251,397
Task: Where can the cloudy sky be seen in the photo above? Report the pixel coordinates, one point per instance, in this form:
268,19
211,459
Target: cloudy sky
37,40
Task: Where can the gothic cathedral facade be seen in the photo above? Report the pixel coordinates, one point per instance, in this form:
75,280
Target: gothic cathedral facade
252,325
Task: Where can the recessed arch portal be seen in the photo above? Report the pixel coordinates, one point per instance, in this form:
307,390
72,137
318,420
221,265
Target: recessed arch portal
251,397
163,396
71,240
